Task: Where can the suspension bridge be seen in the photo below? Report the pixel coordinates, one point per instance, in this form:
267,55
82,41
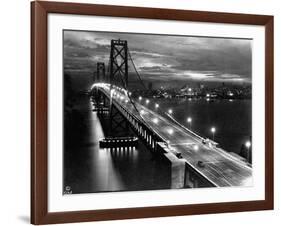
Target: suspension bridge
194,161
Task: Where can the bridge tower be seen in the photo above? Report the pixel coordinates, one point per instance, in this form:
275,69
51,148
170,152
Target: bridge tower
119,63
99,76
94,76
100,72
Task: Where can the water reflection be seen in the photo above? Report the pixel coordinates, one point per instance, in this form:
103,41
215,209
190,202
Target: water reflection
87,168
104,176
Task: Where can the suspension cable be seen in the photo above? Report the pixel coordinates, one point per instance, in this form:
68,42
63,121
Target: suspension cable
131,100
136,69
123,84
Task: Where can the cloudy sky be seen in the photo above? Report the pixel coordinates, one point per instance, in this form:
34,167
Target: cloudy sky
161,59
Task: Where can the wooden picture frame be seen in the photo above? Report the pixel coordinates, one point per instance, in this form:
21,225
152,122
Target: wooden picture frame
39,111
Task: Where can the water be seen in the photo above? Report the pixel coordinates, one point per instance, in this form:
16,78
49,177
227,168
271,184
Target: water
87,168
231,118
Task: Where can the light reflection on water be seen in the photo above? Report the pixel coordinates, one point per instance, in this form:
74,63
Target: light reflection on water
87,168
103,172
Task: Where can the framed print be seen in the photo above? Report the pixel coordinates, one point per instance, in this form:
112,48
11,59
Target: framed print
145,112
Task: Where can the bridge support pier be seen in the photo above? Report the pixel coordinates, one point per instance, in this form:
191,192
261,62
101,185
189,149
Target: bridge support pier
177,170
193,179
182,174
177,166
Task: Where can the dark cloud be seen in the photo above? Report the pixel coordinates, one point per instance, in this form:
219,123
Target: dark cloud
164,58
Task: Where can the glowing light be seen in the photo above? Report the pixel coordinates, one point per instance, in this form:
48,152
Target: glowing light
121,97
213,129
248,144
189,89
208,99
157,105
170,131
112,92
142,112
126,101
207,95
170,111
140,98
196,147
147,101
189,120
155,120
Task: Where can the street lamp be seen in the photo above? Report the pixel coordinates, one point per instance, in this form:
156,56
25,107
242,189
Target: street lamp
189,120
196,147
156,105
248,145
140,98
170,111
213,130
155,120
170,131
147,101
112,92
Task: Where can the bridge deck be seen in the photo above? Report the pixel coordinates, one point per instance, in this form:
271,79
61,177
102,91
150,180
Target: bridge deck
220,167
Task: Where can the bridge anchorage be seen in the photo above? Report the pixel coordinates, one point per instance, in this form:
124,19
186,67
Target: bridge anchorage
192,163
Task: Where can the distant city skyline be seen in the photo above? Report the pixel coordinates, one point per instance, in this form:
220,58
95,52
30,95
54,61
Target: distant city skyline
163,59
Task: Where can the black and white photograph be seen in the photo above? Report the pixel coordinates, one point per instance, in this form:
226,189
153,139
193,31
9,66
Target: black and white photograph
152,112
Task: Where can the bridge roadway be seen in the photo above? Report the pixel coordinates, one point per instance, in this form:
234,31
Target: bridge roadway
220,168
